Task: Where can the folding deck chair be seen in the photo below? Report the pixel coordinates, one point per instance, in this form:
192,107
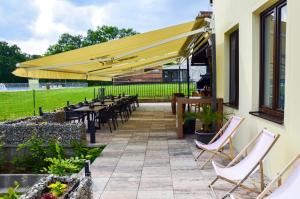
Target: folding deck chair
220,140
239,169
290,188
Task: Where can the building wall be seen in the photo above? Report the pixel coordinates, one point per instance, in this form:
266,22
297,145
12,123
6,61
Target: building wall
244,14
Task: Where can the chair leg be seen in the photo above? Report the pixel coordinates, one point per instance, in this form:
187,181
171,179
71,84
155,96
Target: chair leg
117,120
201,152
114,123
121,117
109,125
208,160
213,182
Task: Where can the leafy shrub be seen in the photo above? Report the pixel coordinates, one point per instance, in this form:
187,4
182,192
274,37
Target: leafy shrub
34,160
55,149
11,192
81,150
62,167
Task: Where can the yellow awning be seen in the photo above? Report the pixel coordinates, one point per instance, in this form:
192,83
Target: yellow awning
106,60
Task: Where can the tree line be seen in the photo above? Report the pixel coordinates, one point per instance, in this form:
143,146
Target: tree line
10,55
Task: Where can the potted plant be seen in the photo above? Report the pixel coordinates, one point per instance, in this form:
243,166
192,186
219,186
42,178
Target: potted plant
208,119
189,123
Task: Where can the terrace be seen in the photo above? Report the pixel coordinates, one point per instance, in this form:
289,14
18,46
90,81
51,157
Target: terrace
148,155
144,159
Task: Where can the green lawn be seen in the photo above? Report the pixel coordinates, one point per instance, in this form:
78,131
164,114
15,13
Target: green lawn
19,104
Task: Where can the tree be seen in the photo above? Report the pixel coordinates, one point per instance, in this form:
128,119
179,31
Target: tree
10,55
65,42
106,33
102,34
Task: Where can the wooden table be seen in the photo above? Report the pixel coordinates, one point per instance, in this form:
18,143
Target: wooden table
181,101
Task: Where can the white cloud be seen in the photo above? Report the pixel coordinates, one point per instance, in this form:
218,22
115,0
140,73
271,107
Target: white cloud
55,17
32,46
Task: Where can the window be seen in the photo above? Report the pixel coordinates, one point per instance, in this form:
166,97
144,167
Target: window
272,77
234,69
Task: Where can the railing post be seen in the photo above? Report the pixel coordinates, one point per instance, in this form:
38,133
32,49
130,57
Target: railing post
33,95
87,169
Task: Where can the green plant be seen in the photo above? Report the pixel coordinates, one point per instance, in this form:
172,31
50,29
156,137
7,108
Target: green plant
62,167
81,150
33,160
207,116
12,192
58,189
55,149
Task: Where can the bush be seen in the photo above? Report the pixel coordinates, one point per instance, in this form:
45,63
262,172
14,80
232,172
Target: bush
81,150
62,167
11,192
34,160
52,159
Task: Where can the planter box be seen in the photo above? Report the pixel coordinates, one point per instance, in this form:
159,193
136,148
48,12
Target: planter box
204,137
79,188
25,181
189,126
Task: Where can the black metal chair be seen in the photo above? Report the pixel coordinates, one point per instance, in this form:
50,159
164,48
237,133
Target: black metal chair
73,116
104,117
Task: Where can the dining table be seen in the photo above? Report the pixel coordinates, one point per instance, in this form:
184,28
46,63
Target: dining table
90,111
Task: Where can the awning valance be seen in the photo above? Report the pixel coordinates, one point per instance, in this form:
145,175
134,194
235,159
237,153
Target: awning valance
106,60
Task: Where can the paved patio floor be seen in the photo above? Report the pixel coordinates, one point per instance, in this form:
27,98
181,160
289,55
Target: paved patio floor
144,160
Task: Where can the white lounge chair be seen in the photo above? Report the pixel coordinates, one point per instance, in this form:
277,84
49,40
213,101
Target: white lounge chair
220,140
239,169
290,188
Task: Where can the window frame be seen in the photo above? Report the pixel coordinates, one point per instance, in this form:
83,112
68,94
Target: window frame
273,111
235,103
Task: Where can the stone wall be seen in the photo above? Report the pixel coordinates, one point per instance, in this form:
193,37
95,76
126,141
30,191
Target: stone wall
48,127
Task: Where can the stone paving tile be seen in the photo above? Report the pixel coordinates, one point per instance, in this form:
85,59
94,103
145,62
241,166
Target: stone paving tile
121,184
126,194
155,195
144,159
157,171
156,184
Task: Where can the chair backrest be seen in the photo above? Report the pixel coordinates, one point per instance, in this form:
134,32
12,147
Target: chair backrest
230,130
263,144
290,188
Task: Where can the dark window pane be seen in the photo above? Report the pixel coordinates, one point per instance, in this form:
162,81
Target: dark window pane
282,50
234,64
269,22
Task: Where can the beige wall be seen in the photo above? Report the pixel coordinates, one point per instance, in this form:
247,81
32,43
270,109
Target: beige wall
245,14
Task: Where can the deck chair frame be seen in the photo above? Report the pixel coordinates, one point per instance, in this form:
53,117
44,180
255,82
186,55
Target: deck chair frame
278,178
219,151
236,159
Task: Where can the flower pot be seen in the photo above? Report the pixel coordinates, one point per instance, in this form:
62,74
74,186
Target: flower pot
204,136
189,126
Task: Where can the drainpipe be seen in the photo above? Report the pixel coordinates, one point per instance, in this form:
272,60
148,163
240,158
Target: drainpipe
188,75
214,71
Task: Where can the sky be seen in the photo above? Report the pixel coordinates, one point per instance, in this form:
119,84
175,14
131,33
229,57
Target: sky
35,24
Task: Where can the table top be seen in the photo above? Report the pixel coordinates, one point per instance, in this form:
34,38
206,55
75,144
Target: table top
105,103
115,100
88,109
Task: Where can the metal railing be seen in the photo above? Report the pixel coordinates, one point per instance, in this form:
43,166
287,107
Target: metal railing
50,85
16,104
